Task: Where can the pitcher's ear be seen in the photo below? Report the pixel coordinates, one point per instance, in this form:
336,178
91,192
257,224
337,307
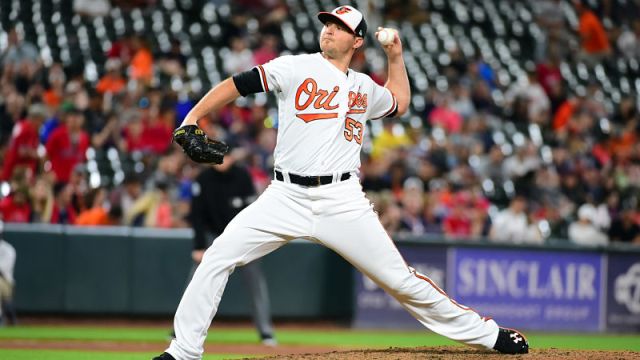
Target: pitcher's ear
358,43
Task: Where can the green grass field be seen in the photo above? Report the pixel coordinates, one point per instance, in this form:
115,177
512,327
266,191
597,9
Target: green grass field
337,338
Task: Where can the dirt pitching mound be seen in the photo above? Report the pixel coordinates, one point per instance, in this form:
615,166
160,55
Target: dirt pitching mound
451,352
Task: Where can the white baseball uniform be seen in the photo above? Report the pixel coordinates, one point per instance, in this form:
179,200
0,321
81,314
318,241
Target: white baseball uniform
322,115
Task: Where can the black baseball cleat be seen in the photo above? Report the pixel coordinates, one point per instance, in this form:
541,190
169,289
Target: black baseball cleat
511,342
164,356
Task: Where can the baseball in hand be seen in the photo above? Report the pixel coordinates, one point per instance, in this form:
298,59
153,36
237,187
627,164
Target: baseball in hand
386,36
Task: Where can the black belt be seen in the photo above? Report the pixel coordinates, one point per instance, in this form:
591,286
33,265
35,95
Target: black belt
310,181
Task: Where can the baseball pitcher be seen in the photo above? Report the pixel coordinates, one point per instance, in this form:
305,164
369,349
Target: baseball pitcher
323,107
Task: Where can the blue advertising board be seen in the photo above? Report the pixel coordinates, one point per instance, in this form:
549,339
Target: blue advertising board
375,309
623,292
538,290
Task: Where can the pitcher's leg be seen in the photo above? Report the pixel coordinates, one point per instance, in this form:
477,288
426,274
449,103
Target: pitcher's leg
257,285
199,303
365,244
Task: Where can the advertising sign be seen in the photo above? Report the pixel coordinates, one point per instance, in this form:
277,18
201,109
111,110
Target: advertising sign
539,290
623,292
375,309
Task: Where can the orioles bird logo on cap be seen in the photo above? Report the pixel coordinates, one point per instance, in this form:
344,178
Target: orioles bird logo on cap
343,10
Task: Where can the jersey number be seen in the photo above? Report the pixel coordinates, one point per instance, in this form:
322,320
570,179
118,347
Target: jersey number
353,130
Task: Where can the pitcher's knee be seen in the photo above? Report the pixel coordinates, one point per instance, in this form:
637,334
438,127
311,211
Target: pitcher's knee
412,287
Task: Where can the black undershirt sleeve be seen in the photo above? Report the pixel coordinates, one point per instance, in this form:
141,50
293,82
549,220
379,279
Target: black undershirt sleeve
248,82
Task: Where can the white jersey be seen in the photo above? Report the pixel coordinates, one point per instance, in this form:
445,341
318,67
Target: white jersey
322,113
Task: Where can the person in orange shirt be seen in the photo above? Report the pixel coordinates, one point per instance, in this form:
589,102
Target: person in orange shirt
113,81
141,67
54,92
594,41
98,215
564,114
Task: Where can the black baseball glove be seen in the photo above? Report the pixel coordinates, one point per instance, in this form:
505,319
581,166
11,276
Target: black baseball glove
198,146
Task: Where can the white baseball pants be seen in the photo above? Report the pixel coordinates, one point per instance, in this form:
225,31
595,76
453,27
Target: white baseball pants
340,217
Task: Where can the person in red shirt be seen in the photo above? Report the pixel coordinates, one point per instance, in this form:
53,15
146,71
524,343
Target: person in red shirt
148,131
67,145
549,72
457,224
23,146
268,49
15,207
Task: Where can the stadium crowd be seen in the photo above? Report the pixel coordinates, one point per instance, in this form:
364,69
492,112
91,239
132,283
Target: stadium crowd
543,161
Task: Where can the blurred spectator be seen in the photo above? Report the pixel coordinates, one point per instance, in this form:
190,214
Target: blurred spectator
157,131
112,82
550,18
79,187
239,57
42,202
63,210
373,174
412,202
56,80
523,163
75,92
152,209
7,282
19,53
16,206
173,62
458,223
445,116
133,128
126,195
555,215
461,101
268,49
432,222
547,185
549,75
602,217
533,234
533,95
67,145
390,138
478,207
489,165
141,66
122,49
23,146
624,228
511,224
389,212
629,41
97,213
109,136
593,37
583,231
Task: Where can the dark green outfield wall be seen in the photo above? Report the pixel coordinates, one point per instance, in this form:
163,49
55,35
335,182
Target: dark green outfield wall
130,271
143,272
